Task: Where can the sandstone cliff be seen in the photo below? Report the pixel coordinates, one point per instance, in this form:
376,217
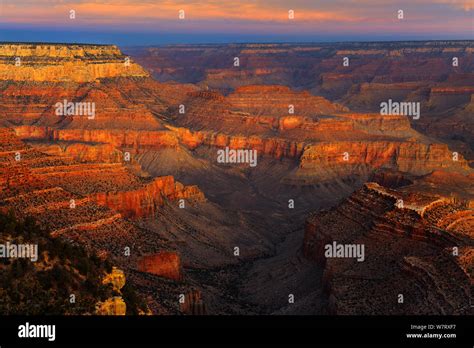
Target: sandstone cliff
164,264
147,199
56,63
321,160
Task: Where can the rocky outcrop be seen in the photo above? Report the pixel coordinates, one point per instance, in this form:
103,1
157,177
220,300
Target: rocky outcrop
85,202
121,190
59,51
119,138
112,306
116,304
259,110
274,147
145,200
57,63
408,252
116,278
321,161
163,264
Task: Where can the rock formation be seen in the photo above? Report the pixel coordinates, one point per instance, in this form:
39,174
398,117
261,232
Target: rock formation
56,62
416,247
114,305
145,200
164,264
116,278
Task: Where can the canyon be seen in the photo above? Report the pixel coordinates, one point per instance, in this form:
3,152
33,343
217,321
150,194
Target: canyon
140,183
438,74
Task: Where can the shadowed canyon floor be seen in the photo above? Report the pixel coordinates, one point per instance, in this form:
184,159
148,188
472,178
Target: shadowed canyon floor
142,173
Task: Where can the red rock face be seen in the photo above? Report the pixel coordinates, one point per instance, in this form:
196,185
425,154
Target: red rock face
148,198
275,100
344,158
82,152
110,185
164,264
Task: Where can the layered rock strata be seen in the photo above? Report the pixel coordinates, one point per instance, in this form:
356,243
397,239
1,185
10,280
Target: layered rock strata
135,113
89,203
56,62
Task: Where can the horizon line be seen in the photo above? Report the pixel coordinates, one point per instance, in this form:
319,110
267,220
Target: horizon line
237,43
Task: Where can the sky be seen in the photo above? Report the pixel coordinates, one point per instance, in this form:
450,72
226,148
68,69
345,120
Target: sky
154,22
